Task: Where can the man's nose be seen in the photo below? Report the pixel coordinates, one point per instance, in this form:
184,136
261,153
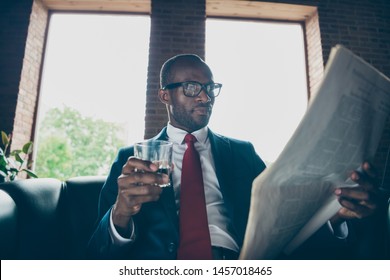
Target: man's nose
203,96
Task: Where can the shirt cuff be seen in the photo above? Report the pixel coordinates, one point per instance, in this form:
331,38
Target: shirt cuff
116,238
340,231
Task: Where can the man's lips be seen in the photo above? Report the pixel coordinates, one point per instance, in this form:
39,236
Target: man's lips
203,110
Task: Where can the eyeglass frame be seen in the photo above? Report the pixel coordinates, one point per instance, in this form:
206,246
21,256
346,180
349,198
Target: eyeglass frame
203,87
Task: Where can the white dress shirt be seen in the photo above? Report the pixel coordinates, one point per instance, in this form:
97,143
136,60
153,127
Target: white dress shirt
216,211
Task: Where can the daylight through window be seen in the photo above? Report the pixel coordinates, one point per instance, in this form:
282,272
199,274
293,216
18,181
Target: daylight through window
92,98
262,68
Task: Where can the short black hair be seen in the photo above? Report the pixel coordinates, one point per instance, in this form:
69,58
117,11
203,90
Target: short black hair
167,70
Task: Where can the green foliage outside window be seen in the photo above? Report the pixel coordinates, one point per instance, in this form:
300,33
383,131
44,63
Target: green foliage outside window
70,145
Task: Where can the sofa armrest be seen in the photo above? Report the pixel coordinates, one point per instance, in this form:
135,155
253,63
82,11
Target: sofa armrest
8,226
40,220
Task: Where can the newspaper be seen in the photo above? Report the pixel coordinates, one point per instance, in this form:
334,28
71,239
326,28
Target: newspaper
341,128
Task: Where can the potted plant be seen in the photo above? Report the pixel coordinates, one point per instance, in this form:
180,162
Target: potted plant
14,162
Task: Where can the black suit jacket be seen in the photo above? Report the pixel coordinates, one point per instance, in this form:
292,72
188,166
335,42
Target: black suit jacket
237,165
156,225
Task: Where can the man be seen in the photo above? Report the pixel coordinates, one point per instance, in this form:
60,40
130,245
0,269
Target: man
139,220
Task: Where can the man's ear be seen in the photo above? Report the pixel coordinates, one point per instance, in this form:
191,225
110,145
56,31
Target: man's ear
164,96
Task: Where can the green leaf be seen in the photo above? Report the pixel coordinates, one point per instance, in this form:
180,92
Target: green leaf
14,152
19,159
28,148
4,138
30,173
3,161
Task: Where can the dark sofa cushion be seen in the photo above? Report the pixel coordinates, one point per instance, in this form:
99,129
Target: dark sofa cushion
82,196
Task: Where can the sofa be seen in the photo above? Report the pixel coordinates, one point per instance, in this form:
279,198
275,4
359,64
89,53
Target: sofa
47,218
51,219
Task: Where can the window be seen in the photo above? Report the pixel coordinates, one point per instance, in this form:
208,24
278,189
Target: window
93,92
262,68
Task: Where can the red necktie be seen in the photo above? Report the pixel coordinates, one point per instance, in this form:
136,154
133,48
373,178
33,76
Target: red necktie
195,243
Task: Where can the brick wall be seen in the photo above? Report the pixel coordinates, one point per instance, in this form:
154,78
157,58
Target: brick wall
315,62
23,27
177,26
14,20
29,82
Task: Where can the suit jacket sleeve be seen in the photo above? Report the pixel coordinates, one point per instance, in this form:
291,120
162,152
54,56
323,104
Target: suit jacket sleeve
100,245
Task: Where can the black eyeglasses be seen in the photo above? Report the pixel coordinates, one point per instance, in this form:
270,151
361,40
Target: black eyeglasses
193,89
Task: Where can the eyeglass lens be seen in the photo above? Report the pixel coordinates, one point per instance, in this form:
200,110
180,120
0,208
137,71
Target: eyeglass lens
194,89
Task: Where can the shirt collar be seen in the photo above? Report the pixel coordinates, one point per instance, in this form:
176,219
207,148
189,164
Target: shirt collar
177,135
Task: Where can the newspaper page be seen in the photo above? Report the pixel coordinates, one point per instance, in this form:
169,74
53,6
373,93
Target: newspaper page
341,128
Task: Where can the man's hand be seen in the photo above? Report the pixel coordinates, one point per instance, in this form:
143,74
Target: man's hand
138,183
361,201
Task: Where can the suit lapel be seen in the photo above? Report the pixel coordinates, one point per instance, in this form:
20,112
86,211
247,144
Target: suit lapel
223,160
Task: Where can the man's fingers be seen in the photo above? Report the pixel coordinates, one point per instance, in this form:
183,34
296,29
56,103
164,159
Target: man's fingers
356,208
135,209
145,190
347,214
357,193
130,200
357,204
369,169
142,178
134,164
366,177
